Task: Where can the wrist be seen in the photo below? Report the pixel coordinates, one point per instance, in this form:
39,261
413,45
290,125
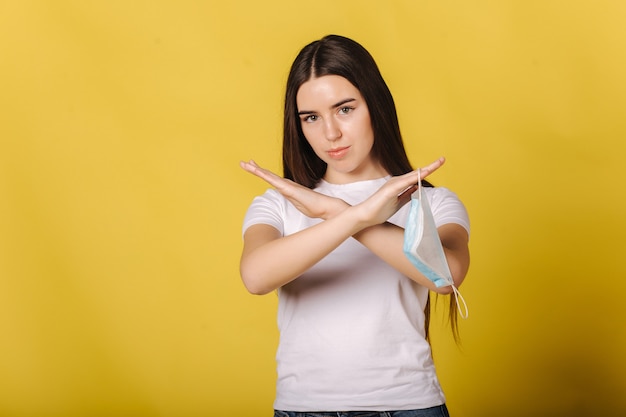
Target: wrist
361,217
338,206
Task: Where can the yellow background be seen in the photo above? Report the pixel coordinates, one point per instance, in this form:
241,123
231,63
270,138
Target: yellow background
121,200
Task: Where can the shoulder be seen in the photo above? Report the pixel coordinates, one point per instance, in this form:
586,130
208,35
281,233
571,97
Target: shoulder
447,207
267,208
270,196
438,195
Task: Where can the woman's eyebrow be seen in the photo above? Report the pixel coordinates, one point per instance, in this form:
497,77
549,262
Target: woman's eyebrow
334,106
342,102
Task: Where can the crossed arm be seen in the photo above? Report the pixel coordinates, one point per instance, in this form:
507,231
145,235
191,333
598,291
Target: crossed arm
270,260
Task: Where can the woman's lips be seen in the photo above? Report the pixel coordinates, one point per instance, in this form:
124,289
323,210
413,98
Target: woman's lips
338,153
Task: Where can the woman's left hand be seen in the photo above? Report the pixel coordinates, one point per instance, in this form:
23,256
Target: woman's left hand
309,202
395,193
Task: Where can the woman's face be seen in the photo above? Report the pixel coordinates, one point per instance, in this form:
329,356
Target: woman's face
336,122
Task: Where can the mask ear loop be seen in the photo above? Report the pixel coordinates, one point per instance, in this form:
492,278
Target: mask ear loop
457,295
464,312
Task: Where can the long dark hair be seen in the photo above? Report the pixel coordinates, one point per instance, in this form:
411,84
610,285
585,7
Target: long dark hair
338,55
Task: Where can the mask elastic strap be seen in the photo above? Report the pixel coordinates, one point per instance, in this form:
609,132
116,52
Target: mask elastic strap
457,295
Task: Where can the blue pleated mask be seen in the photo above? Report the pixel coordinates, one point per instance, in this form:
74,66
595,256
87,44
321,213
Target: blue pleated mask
423,248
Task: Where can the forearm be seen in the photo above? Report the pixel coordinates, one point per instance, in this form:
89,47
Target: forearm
386,241
454,239
278,261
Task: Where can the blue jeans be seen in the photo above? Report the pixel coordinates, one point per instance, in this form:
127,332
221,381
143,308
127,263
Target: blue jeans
438,411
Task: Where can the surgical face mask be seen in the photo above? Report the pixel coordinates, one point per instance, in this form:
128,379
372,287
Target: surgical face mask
423,248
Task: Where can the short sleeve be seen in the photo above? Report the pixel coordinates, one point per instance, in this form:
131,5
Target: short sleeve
447,207
268,208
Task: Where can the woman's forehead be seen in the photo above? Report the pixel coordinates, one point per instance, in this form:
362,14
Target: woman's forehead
326,91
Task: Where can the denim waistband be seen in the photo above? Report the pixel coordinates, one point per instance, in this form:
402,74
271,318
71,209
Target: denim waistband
437,411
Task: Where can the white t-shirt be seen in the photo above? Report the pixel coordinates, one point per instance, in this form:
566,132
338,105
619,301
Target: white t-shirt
352,327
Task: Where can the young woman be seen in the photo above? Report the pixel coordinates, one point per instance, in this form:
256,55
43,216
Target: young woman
328,236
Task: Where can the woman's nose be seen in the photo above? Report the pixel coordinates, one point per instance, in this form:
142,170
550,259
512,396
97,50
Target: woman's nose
331,130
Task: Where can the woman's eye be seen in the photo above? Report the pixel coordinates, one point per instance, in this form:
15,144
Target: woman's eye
345,110
310,118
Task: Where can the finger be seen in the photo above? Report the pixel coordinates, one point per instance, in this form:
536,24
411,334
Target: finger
401,186
276,181
432,167
248,166
411,178
255,169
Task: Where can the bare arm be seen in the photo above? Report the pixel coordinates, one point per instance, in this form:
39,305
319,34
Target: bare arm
270,260
386,240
